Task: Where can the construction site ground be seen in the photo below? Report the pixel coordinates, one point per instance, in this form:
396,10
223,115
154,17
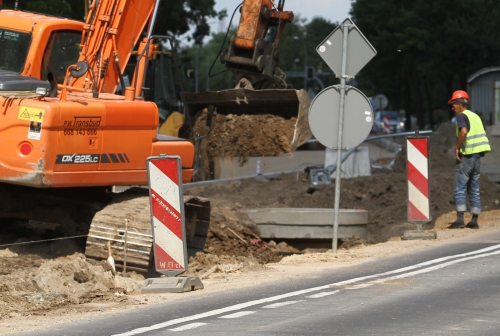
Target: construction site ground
53,282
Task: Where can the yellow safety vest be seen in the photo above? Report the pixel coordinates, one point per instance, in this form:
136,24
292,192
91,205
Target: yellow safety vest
476,141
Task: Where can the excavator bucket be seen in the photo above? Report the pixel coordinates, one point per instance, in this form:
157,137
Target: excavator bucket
283,103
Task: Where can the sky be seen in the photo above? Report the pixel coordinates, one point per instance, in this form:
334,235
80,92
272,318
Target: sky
333,10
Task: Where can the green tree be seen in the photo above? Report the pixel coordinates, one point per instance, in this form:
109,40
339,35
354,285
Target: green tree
296,48
426,49
175,18
207,55
61,8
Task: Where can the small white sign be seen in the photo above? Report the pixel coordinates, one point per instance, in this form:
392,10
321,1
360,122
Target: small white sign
368,119
322,48
35,130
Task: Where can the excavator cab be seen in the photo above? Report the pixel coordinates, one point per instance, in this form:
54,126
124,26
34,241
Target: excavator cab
62,50
18,43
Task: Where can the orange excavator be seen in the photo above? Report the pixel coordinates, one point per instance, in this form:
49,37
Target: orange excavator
67,139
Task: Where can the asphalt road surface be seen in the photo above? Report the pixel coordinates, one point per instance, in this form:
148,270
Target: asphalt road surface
453,289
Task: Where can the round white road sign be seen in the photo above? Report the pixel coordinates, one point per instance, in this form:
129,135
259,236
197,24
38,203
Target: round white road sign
324,116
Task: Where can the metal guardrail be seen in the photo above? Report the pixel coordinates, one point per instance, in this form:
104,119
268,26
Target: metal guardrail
258,175
392,135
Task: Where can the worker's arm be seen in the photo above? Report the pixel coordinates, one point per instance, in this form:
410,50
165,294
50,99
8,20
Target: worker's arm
461,138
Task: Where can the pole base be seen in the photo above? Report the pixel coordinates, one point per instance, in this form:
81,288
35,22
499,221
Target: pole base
172,285
416,234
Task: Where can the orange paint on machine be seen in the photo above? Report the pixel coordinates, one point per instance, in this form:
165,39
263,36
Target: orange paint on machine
61,125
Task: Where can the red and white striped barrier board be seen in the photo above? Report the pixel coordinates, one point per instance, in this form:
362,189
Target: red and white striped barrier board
167,214
387,125
418,179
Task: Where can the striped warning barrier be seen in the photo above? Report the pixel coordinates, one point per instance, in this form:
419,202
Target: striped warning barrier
418,179
167,214
386,125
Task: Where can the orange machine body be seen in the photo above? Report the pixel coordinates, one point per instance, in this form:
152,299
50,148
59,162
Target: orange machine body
83,141
80,140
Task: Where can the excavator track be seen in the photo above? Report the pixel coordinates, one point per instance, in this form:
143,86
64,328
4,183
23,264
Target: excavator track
126,224
123,219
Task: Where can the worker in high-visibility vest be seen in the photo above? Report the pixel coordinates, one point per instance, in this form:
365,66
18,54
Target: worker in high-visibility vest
471,145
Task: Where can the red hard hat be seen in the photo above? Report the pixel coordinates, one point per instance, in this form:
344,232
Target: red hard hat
459,94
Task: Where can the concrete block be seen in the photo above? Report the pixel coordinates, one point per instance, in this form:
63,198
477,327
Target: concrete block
357,164
308,223
172,285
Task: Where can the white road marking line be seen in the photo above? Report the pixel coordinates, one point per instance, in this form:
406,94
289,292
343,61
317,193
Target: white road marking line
281,304
323,294
360,286
433,268
314,289
189,326
239,314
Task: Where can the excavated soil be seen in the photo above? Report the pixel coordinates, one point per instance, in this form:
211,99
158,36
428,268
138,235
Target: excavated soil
32,286
37,279
244,136
383,194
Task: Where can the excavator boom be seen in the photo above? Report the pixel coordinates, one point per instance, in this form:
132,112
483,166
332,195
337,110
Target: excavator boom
111,32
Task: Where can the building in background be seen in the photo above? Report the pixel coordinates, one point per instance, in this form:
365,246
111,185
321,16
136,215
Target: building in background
483,87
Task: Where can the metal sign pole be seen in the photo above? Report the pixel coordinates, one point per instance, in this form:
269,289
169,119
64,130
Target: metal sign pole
343,80
323,111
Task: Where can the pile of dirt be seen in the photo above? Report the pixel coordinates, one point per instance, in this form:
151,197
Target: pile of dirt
233,238
31,285
245,135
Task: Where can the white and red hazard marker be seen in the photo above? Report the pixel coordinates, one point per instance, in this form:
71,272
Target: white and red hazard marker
167,214
386,125
418,179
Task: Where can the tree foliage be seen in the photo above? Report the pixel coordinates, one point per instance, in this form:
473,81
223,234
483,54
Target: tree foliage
297,51
426,49
175,18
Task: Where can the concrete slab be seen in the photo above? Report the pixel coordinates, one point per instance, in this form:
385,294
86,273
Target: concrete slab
357,164
230,168
227,168
308,223
491,171
172,285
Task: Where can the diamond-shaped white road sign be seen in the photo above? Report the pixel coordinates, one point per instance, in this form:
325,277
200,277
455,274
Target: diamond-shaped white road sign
359,50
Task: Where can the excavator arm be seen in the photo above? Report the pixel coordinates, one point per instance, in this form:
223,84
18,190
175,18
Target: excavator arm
110,33
253,51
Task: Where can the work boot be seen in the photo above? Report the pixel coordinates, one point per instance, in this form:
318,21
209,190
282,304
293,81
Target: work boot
472,225
456,225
